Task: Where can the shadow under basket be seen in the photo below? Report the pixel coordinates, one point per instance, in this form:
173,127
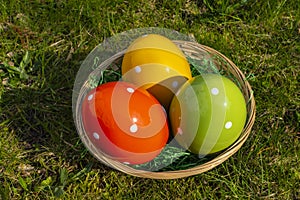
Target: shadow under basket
210,61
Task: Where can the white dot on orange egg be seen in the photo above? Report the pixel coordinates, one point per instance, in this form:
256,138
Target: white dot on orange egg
228,125
133,128
90,97
126,163
130,90
96,136
214,91
134,119
137,69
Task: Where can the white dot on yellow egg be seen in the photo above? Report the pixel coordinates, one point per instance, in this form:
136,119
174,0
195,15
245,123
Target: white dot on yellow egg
228,125
137,69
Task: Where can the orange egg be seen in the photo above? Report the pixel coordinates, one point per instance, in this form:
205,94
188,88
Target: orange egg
125,122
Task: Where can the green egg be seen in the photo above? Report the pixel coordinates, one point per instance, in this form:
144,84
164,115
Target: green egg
207,114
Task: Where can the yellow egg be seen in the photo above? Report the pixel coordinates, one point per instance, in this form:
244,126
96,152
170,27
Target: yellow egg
155,63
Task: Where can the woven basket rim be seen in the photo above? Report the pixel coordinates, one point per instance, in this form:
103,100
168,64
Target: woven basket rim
187,46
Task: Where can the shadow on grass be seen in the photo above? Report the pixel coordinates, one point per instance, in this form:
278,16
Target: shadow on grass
40,115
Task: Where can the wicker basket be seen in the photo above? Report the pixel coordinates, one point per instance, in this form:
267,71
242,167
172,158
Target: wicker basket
193,51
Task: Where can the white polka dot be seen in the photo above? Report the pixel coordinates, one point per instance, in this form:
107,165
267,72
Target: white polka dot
130,90
90,97
96,136
215,91
126,163
144,35
134,119
168,69
175,84
137,69
228,125
133,128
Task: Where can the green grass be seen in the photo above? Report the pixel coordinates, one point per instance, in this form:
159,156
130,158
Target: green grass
42,45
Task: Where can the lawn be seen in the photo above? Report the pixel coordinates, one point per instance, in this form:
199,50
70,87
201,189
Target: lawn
42,45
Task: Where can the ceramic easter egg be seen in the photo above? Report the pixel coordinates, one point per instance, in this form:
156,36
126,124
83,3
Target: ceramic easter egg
208,114
125,122
155,63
